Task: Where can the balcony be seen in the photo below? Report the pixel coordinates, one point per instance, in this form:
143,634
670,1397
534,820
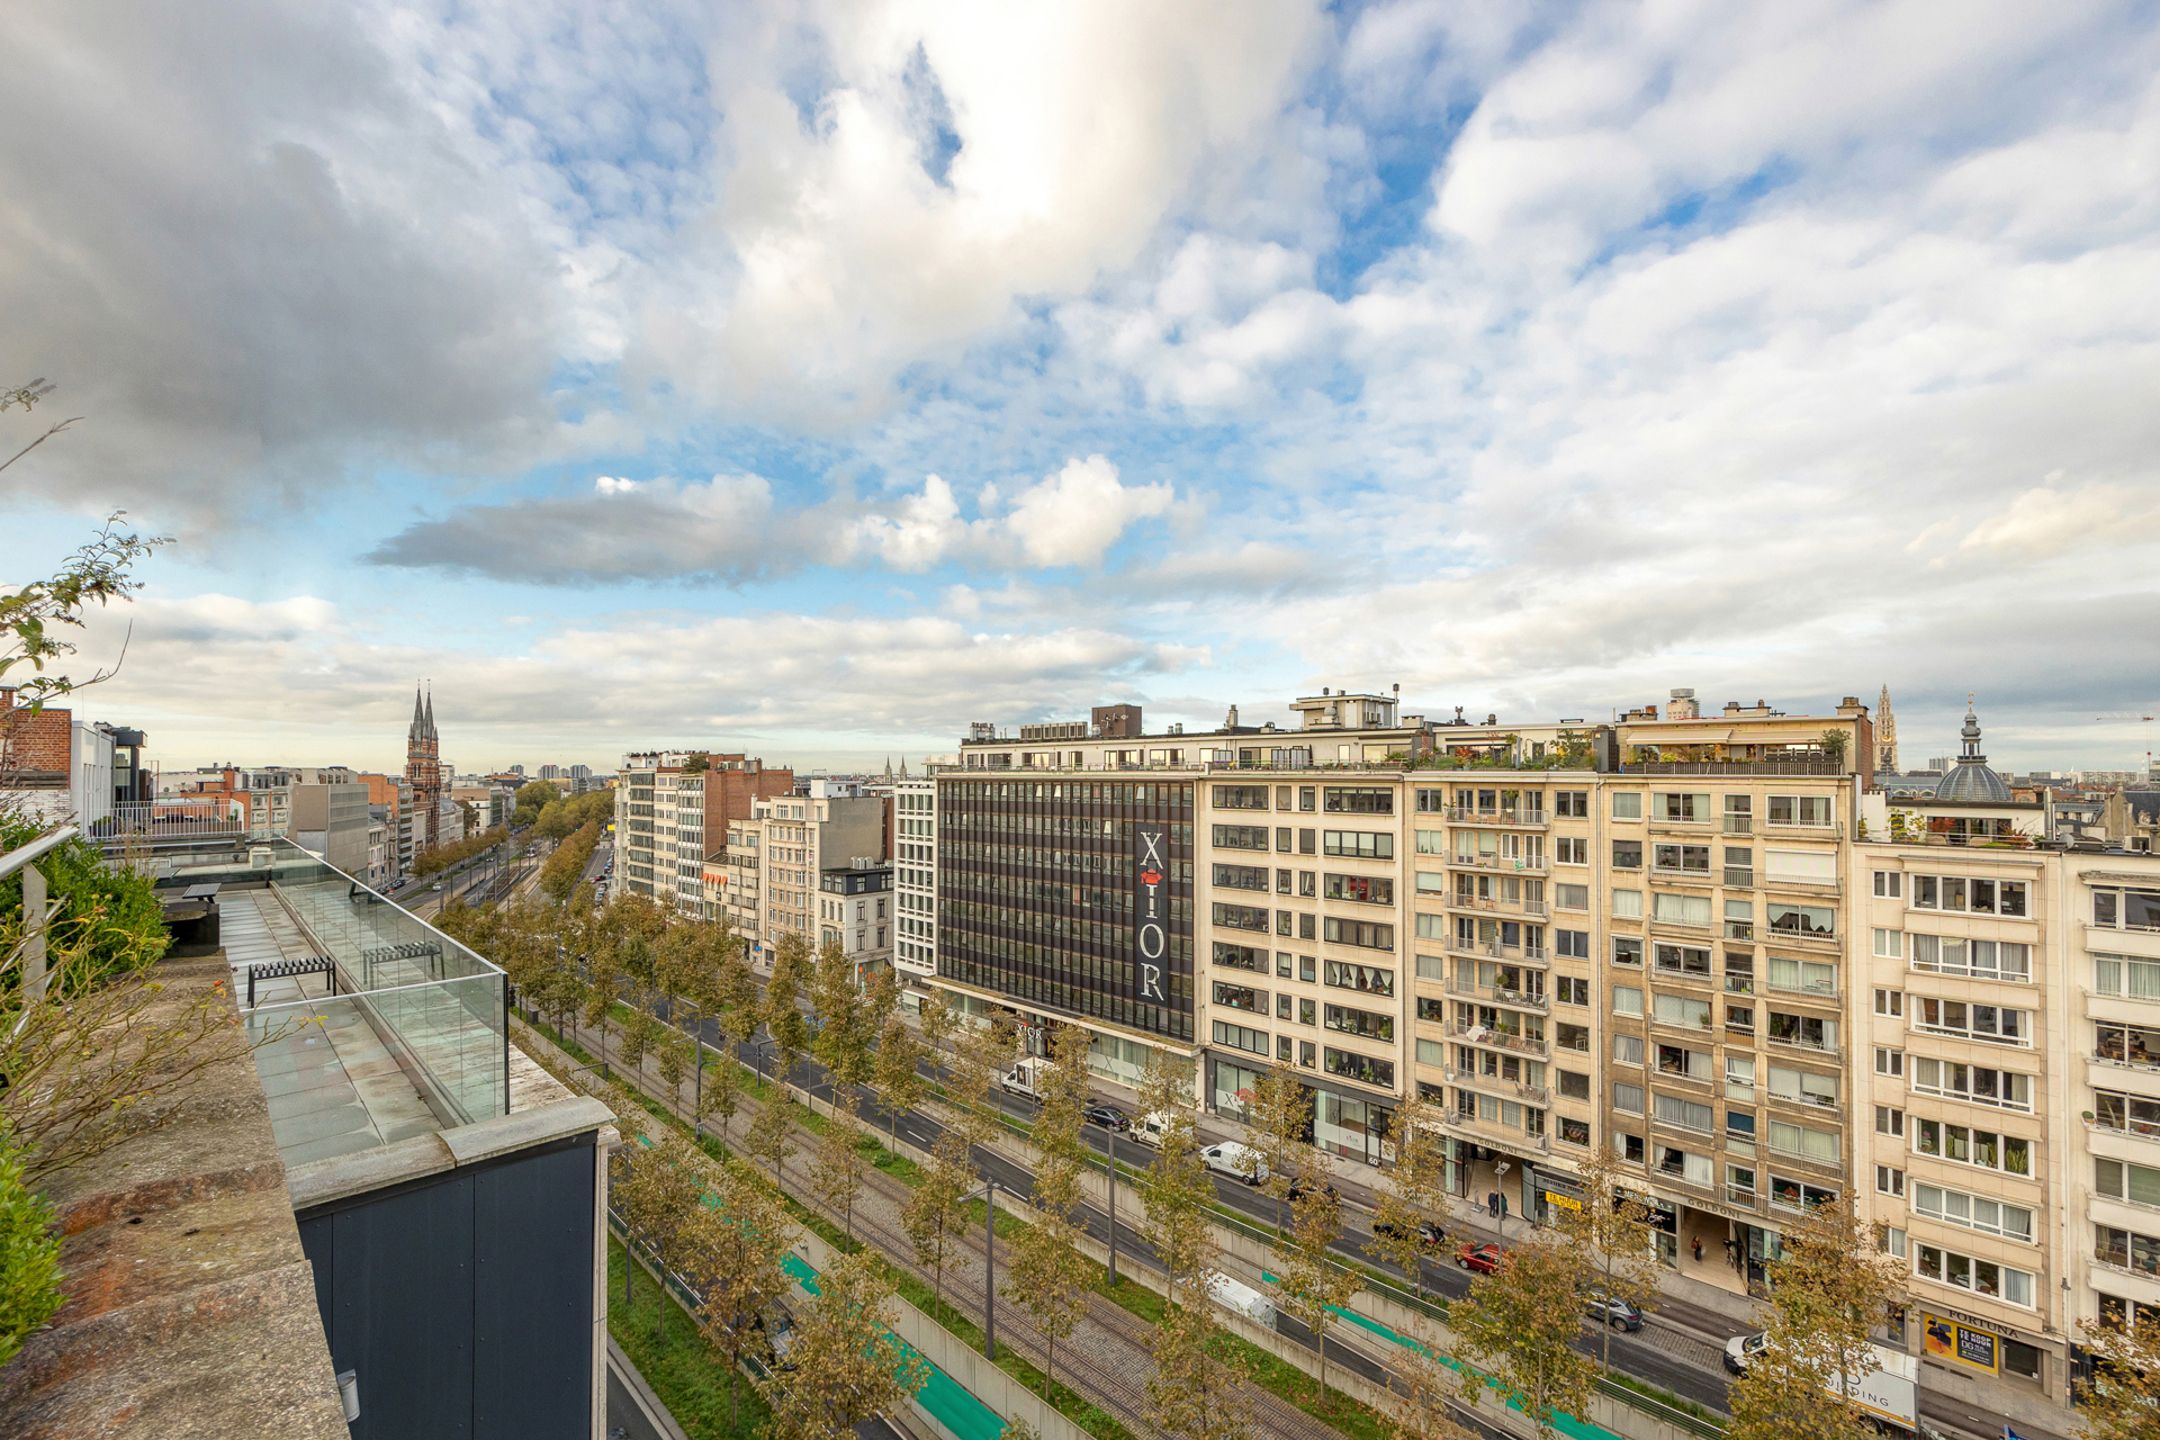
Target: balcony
1494,950
1678,875
1738,877
1808,1046
1739,825
1499,994
1521,817
1788,935
1509,1040
1498,1134
1506,864
1501,1085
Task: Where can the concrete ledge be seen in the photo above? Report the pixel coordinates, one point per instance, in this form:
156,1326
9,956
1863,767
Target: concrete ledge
318,1182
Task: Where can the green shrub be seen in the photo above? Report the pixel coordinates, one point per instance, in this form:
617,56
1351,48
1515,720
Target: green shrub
113,906
29,1258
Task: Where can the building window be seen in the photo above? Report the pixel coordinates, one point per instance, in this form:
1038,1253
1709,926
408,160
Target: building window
1358,800
1627,1049
1889,1061
2126,909
1241,837
1573,989
2126,1114
2126,976
1973,1212
1889,1002
1571,897
1241,797
1996,1024
1572,944
1690,910
1240,1037
1889,944
1571,850
1627,854
1889,1180
1627,950
1364,1068
1815,922
1627,1000
1626,805
1371,979
1628,1099
1358,844
1889,885
1981,959
1982,1277
1962,895
1571,804
1965,1145
1889,1120
1627,904
1367,1024
1365,934
1364,889
2121,1180
1812,811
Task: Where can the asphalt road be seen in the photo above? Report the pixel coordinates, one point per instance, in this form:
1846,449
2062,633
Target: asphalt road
1642,1355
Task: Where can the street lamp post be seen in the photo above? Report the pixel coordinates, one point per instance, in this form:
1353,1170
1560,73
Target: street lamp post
1113,1204
989,1194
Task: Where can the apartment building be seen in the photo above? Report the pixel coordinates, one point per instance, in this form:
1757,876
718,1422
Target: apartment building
774,875
855,913
914,856
673,817
2011,1084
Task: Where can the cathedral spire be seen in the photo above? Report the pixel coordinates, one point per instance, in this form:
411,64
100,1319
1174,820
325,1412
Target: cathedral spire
414,732
1886,761
430,730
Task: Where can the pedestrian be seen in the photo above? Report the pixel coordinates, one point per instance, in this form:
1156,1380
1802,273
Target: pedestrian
1698,1249
1492,1203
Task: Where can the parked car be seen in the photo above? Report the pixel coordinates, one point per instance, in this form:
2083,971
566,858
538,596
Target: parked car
1240,1162
1614,1311
1109,1117
1479,1259
1429,1235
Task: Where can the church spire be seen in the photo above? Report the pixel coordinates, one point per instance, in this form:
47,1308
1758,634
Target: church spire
430,730
414,732
1886,762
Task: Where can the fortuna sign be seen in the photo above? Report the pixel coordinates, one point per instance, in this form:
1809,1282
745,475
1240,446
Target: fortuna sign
1151,934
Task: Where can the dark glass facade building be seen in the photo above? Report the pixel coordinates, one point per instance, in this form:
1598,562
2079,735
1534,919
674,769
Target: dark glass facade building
1038,895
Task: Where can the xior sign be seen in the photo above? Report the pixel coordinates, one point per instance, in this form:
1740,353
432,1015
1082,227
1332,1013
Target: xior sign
1151,912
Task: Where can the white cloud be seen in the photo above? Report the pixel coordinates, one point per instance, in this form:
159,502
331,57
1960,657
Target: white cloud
1074,516
2047,520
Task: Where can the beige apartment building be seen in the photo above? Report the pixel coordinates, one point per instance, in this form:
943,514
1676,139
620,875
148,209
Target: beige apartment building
2009,1094
1703,939
776,882
672,820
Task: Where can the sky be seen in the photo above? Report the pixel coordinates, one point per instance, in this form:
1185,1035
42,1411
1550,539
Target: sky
813,380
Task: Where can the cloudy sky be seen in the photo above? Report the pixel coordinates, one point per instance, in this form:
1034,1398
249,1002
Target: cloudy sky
815,379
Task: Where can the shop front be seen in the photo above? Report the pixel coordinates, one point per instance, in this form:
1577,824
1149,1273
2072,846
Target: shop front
1979,1348
1339,1123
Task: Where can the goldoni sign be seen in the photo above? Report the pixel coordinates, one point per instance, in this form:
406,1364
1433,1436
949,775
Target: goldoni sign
1151,913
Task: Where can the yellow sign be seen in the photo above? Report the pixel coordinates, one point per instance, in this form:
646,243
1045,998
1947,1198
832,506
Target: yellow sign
1964,1344
1565,1202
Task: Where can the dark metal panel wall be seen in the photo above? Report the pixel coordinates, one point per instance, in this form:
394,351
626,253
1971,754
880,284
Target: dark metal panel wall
465,1304
533,1298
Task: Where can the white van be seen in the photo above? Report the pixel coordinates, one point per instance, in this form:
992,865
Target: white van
1150,1128
1240,1162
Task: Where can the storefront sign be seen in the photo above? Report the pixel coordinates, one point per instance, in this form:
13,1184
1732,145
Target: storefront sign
1564,1202
1965,1344
1151,913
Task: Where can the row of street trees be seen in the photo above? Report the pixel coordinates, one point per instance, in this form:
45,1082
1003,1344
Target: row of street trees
1521,1325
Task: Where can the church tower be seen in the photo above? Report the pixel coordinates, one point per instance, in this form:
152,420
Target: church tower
1885,736
423,770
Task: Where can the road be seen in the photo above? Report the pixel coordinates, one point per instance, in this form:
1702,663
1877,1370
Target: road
1681,1358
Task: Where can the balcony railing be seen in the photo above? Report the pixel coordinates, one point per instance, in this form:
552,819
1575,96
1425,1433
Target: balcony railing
1498,1039
1528,865
182,819
1518,815
1501,1085
1522,999
1738,877
1739,824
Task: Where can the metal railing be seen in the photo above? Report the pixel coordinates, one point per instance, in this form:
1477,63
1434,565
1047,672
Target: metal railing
180,819
1506,815
1499,1039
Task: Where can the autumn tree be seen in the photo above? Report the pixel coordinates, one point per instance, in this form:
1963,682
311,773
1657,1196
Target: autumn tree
937,1019
732,1257
837,1176
782,1010
1279,1115
771,1139
1313,1285
1047,1273
846,1365
2120,1397
657,1197
1412,1191
1190,1396
980,1055
936,1209
897,1074
1828,1292
1521,1323
1612,1228
844,1036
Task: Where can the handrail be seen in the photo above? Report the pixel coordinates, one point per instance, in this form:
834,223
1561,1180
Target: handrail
36,849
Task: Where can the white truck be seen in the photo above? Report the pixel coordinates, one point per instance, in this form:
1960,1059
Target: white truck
1237,1295
1888,1395
1026,1077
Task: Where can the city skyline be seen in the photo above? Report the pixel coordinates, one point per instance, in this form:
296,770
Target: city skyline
820,388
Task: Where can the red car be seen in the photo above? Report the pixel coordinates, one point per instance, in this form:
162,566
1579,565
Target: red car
1483,1259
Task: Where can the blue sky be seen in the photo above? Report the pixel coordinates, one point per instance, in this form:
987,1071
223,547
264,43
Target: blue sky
817,379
